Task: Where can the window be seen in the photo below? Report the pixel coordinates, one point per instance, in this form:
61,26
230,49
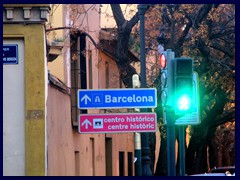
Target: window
130,164
92,156
77,163
78,73
108,150
121,163
107,74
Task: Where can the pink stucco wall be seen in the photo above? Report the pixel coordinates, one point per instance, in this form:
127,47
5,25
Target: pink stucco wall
70,153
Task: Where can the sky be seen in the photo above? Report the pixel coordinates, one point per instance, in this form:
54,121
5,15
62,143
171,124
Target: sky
107,20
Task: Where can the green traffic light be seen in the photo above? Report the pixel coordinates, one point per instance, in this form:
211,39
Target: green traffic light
184,103
183,85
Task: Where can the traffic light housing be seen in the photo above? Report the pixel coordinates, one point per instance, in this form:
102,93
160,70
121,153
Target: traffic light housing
183,86
193,117
166,65
179,90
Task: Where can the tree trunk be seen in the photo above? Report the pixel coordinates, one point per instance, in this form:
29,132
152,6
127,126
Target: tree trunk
125,69
124,30
196,154
201,158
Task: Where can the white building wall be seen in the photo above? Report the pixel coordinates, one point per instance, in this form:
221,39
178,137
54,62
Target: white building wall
14,115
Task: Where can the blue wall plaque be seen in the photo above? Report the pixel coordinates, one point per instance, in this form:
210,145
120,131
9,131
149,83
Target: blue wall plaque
10,54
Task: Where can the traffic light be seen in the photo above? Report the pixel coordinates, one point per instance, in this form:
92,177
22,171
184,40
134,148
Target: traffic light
166,64
183,86
193,117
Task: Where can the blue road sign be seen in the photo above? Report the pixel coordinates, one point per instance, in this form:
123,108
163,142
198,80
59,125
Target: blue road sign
117,98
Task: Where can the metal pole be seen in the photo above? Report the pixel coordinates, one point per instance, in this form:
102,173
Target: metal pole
138,155
146,170
141,10
182,150
171,143
137,138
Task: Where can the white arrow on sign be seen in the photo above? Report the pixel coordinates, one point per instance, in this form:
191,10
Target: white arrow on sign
86,122
85,99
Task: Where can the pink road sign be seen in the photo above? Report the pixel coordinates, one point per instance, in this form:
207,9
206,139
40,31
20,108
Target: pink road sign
117,123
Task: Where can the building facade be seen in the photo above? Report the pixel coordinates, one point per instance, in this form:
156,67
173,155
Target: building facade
24,92
40,127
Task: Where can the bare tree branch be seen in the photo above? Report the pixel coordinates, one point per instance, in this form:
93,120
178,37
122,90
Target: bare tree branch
223,49
225,117
201,15
185,32
165,16
134,20
118,14
75,29
222,34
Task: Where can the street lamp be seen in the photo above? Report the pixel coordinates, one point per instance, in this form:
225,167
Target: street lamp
146,170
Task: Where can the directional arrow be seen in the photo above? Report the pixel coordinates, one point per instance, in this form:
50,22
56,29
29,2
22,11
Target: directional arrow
85,99
86,122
